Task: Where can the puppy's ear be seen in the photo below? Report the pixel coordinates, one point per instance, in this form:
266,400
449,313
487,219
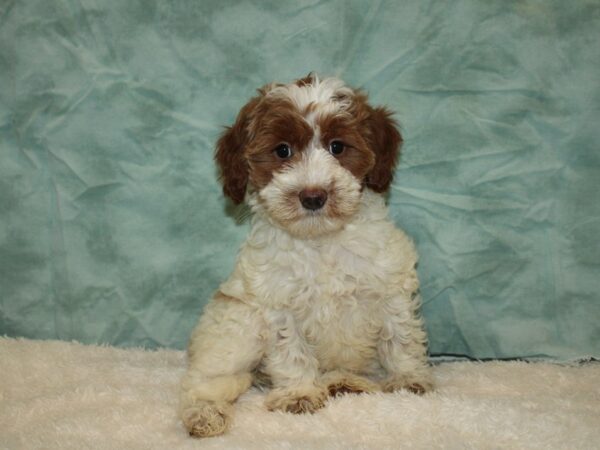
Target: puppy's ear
385,141
230,157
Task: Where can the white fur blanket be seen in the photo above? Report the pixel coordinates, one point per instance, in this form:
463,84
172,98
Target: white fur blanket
67,395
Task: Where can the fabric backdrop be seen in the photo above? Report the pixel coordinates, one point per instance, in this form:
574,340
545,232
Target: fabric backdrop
113,228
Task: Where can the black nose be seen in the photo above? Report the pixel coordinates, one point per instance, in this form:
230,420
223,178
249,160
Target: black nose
313,198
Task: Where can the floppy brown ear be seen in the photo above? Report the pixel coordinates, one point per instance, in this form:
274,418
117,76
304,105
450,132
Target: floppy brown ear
230,157
385,141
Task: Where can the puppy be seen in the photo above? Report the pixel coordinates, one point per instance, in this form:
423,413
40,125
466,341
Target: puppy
323,298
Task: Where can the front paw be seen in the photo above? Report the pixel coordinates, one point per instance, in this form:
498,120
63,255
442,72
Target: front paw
339,383
417,385
206,419
296,400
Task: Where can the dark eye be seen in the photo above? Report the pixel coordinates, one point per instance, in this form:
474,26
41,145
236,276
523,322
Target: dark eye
336,147
283,151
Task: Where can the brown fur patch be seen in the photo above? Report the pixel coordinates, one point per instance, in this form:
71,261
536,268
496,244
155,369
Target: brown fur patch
229,154
335,390
357,157
303,405
340,382
277,121
220,297
383,138
416,388
308,79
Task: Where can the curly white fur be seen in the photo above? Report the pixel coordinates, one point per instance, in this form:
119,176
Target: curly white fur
319,302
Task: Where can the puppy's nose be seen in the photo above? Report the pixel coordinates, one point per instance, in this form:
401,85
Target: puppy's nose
313,198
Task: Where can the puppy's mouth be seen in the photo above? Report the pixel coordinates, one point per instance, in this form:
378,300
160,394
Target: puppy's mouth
311,211
310,199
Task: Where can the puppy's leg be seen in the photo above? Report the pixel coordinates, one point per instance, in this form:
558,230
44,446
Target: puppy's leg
340,382
402,347
292,367
225,347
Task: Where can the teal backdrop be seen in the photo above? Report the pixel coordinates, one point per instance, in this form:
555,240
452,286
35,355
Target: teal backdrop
113,228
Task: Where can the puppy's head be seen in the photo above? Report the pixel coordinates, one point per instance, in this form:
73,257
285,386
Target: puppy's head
305,151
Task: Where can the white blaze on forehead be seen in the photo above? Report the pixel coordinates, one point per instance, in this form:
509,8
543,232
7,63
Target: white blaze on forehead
330,95
319,169
315,143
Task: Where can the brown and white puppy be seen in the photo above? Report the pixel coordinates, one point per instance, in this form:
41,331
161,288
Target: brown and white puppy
323,298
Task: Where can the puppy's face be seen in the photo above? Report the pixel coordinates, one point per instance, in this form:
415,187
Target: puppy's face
305,151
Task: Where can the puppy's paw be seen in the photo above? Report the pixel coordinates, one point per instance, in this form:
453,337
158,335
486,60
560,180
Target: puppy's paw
339,383
417,385
207,419
296,400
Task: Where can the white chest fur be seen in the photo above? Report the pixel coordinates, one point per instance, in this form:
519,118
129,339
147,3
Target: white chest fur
339,288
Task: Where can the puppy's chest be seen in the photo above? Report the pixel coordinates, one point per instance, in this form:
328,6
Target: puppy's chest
342,330
331,279
336,297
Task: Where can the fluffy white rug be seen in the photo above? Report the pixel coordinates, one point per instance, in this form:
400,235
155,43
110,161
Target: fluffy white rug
71,396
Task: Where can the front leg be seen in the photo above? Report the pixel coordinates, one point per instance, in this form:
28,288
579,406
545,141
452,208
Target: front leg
292,367
224,349
402,347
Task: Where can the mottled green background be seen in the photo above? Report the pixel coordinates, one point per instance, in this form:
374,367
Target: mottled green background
113,228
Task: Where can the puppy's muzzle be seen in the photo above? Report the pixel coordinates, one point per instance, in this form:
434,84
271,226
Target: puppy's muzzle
312,198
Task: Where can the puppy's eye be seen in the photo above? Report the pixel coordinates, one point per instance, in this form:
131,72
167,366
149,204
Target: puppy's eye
336,147
283,151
